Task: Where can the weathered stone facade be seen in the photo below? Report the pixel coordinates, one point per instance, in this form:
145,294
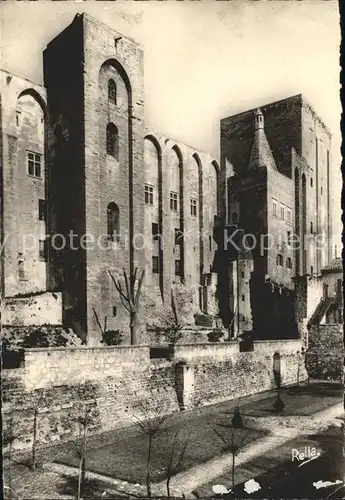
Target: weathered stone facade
23,187
41,309
82,180
98,191
279,193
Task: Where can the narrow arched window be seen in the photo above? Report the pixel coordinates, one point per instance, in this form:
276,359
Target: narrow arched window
113,221
112,141
112,91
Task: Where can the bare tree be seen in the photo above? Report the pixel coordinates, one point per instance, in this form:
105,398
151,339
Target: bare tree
278,404
150,419
8,437
175,459
174,308
130,298
85,418
300,359
37,400
234,438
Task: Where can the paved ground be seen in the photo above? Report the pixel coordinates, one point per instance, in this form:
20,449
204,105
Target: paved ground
278,474
59,481
187,482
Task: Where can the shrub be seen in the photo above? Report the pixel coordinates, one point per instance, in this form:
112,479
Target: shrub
173,333
161,319
11,358
27,337
44,338
215,335
112,337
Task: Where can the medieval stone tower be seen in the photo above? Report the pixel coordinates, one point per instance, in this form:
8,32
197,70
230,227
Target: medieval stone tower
279,194
94,79
89,190
136,197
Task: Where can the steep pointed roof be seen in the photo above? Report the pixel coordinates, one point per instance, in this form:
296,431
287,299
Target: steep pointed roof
261,154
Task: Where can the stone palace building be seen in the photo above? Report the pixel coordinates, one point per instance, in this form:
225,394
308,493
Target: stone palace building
88,188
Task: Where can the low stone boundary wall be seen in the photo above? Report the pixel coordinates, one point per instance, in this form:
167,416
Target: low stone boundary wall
51,367
218,372
123,381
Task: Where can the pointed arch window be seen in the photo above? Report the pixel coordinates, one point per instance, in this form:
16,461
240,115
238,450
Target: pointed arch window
113,221
112,141
112,96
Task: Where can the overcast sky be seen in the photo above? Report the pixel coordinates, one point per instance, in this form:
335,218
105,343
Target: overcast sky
203,60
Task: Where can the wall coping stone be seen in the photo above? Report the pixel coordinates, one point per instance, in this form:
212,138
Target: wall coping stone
86,348
325,325
233,342
276,341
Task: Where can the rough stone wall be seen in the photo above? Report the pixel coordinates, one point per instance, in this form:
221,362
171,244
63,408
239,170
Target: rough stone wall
153,247
331,279
190,334
314,294
251,191
325,356
108,179
308,294
221,372
298,139
282,128
121,380
245,322
316,145
23,122
191,174
82,179
280,188
66,171
37,310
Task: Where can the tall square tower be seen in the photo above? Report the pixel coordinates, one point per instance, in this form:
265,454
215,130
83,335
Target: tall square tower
296,144
279,194
94,80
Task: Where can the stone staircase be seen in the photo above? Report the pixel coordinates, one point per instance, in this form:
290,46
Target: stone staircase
321,310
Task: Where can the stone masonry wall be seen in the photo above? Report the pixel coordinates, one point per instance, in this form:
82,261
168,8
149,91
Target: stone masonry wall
221,372
115,380
119,380
325,356
42,309
22,129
